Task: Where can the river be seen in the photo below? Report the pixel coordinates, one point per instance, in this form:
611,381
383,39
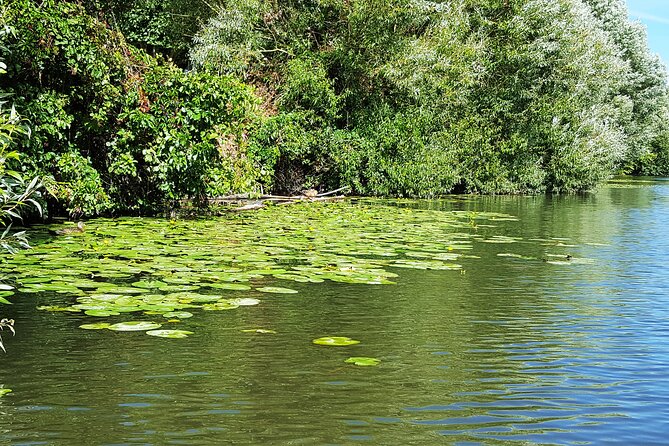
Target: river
495,320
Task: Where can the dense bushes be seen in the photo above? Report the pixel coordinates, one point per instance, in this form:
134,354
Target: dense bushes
115,129
157,26
16,195
403,97
496,96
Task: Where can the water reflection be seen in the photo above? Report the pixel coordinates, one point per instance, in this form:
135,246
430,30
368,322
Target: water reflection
509,351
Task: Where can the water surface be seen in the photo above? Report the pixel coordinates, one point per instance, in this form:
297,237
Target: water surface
562,339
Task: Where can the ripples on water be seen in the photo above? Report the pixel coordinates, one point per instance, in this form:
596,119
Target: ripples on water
509,351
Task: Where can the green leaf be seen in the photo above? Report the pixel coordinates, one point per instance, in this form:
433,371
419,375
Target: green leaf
98,326
363,361
178,315
101,313
172,334
276,290
335,341
134,326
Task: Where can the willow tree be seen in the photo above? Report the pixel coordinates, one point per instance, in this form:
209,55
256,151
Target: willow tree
644,87
420,98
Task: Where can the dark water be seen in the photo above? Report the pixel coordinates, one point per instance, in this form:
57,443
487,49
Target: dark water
507,351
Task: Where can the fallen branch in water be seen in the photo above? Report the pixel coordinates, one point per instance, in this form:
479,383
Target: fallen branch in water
9,323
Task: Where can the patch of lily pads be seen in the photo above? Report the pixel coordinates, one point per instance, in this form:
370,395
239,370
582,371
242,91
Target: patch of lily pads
175,270
151,328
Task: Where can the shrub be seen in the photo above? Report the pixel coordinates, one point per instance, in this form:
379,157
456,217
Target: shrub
117,130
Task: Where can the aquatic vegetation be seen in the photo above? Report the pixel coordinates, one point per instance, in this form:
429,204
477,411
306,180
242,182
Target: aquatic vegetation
276,290
173,270
172,334
98,326
341,341
134,326
178,315
363,361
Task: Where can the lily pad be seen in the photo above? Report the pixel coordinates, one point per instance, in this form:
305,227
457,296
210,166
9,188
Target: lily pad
276,290
259,330
178,315
98,326
149,284
172,334
5,391
229,286
363,361
335,341
134,326
244,301
101,313
222,305
4,301
58,308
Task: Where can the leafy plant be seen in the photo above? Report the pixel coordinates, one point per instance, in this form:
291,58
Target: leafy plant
15,195
117,130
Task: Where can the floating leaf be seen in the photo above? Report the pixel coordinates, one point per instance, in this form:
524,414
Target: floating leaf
101,313
229,286
134,326
58,308
172,334
5,287
178,315
276,289
335,340
149,284
244,301
4,301
222,305
5,391
363,361
98,326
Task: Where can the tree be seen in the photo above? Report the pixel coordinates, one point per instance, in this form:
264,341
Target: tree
430,97
645,86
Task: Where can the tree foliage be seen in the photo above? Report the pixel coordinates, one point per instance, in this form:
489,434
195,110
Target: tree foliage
16,196
644,87
115,129
400,97
411,97
157,26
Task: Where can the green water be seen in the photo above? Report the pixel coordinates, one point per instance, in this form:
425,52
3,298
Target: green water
561,339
